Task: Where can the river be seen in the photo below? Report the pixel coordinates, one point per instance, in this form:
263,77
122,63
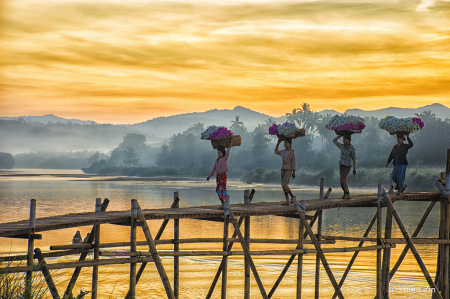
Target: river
70,191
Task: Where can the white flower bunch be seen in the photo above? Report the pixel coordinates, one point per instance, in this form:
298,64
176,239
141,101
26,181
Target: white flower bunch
393,124
287,129
352,122
208,131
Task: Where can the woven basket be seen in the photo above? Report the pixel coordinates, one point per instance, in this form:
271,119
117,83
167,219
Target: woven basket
401,133
346,132
298,133
224,142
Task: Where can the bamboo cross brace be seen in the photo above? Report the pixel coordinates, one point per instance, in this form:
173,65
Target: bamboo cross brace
249,257
46,273
291,260
83,256
219,271
355,255
230,246
155,256
318,248
157,237
415,233
411,244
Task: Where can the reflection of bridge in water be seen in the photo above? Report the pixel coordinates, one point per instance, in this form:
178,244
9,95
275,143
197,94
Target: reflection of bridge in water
309,213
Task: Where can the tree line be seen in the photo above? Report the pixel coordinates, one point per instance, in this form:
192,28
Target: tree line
186,155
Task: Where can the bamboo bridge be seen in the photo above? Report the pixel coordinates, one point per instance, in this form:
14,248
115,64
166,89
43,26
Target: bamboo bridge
308,212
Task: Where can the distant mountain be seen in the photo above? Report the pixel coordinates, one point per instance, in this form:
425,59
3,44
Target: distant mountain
441,111
50,118
91,135
167,126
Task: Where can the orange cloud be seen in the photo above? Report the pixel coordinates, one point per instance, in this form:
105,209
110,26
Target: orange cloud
128,62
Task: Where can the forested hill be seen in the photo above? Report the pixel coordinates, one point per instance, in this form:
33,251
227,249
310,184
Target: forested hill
49,132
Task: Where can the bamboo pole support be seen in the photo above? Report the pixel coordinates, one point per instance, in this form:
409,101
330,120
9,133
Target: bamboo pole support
434,241
155,256
46,273
225,247
230,246
248,255
247,200
379,235
319,233
15,258
176,248
300,210
391,184
138,257
68,265
291,259
387,253
355,255
157,237
446,291
98,208
74,249
411,244
32,227
447,171
242,253
415,233
83,256
300,261
133,246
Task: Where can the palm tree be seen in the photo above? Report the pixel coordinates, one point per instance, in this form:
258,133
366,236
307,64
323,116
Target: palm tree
304,114
294,116
321,130
268,123
237,127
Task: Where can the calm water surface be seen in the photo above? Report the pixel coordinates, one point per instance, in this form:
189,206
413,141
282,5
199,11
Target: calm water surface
61,192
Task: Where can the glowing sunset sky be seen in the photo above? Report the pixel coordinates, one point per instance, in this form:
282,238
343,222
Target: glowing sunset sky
130,61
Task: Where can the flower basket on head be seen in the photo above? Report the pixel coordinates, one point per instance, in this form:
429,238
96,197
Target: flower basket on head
400,126
225,141
346,125
286,131
220,137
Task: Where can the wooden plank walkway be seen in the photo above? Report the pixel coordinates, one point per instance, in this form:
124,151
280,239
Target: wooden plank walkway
202,212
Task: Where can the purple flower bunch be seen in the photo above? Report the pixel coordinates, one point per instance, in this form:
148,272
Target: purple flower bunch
220,133
273,130
349,127
418,121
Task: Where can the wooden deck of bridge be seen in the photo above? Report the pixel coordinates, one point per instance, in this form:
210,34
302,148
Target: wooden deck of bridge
201,212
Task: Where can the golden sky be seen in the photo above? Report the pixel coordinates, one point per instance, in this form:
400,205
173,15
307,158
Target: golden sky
130,61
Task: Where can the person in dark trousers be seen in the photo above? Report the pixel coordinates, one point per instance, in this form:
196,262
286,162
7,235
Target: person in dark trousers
348,157
398,156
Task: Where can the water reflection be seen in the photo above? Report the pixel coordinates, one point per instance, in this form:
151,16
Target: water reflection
62,192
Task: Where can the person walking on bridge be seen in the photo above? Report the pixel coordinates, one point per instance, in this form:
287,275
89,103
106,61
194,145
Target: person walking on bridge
398,156
288,167
348,157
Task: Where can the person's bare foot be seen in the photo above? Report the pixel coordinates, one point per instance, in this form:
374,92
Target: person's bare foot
286,203
221,208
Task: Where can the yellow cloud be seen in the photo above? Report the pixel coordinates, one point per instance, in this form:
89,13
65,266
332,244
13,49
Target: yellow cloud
119,61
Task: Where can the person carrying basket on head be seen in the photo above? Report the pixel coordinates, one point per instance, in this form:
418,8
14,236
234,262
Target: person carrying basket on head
288,167
221,168
348,157
398,156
